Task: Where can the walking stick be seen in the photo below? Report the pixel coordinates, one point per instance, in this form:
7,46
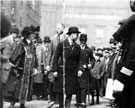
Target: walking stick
89,88
63,59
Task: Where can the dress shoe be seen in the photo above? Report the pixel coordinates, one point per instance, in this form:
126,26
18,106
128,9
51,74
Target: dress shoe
45,98
50,104
83,105
92,103
78,104
11,106
22,106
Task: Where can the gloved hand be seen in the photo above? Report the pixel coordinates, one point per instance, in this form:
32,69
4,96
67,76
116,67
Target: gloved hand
89,66
55,74
117,86
48,68
80,73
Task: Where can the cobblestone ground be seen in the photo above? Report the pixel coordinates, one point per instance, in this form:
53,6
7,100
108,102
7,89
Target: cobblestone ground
43,104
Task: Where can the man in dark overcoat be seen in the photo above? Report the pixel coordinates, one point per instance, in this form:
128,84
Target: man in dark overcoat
124,82
86,63
66,63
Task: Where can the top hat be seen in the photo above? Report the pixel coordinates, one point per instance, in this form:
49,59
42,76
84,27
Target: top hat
47,39
73,29
14,29
83,37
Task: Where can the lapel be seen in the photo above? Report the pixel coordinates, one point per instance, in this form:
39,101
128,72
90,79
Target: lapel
67,48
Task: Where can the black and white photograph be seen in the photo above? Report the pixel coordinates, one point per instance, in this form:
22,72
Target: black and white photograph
67,54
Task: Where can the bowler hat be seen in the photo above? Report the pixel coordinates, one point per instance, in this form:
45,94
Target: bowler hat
83,37
47,39
14,29
73,29
99,52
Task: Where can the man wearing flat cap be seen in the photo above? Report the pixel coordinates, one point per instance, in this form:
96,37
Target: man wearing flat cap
66,61
6,48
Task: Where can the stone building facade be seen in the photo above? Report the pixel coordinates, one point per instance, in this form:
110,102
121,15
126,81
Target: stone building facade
98,18
22,12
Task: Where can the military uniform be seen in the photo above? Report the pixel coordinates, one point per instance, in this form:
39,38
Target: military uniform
126,76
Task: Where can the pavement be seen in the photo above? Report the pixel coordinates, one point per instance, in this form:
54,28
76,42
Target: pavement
44,104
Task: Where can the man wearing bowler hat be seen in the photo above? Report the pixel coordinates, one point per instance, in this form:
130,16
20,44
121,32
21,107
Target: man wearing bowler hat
66,61
45,54
86,63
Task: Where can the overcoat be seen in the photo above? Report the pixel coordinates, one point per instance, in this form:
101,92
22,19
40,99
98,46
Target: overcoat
6,48
70,67
86,58
19,83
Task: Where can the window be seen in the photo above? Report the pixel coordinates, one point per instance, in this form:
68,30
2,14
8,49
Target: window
99,35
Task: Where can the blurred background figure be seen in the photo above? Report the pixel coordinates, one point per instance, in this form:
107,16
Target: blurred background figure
4,28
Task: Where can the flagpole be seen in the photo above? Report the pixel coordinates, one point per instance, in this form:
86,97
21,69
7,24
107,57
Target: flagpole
63,58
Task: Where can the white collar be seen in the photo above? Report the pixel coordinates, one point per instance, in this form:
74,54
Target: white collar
70,41
28,41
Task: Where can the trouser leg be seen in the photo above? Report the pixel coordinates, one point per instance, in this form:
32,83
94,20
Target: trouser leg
83,95
68,100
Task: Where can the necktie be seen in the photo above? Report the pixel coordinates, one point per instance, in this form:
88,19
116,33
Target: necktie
46,51
58,38
72,45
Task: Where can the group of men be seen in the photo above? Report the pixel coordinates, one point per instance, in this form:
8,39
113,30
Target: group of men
68,65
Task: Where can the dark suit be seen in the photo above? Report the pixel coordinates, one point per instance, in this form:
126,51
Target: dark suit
49,60
20,77
126,34
71,57
86,58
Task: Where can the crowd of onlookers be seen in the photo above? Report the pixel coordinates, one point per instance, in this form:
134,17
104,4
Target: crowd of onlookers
42,77
57,68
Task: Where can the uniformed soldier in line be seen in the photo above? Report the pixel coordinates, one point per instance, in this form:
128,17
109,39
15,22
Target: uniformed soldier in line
86,63
124,87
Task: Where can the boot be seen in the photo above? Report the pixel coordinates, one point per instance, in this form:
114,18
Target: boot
67,103
97,100
83,105
92,101
22,106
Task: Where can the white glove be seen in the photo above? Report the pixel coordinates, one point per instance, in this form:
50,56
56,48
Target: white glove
35,71
84,66
45,72
48,68
55,74
89,66
80,73
117,86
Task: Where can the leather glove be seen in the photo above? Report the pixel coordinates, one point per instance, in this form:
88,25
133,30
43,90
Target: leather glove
80,73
